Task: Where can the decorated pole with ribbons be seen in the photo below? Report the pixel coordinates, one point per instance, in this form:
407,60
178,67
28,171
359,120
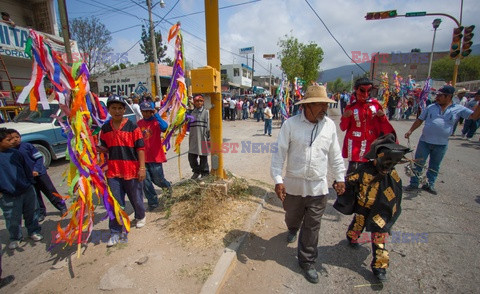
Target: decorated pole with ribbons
81,120
176,101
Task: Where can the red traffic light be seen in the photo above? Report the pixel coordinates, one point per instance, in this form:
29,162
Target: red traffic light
468,33
458,30
381,15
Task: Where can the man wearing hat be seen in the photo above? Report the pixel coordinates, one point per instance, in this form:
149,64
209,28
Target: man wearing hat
363,121
198,139
309,143
123,141
439,119
376,191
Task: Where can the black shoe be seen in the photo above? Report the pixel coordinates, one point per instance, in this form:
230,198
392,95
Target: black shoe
292,237
411,188
310,272
152,207
41,218
195,176
380,273
429,189
6,281
204,176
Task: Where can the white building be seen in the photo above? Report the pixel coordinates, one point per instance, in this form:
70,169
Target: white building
39,15
239,76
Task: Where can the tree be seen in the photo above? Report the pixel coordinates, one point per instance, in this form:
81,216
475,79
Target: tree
92,40
468,70
300,60
338,85
146,46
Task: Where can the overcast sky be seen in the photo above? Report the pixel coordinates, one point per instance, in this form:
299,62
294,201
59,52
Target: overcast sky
245,23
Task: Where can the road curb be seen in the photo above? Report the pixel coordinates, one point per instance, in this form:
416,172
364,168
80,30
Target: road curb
227,260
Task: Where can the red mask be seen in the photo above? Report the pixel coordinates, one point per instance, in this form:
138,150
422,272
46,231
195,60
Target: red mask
363,92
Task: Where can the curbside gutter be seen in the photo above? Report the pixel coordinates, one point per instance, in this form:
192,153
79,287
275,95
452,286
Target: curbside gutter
228,259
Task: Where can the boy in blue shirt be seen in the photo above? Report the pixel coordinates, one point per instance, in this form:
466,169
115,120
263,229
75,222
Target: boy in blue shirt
43,183
17,195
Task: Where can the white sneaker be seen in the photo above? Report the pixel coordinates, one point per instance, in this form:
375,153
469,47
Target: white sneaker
14,245
114,239
141,222
36,237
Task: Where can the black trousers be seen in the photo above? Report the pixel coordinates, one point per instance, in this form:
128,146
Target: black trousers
305,213
199,168
380,255
43,184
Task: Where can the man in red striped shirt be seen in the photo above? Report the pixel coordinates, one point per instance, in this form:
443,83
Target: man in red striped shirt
123,141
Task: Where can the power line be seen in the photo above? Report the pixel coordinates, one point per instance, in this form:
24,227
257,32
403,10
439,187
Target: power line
328,30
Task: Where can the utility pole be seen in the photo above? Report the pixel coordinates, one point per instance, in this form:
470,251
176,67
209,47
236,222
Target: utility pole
213,60
158,88
62,10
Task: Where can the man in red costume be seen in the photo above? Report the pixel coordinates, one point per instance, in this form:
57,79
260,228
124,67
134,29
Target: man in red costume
364,121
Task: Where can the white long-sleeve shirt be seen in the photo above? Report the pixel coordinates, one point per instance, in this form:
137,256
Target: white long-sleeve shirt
309,149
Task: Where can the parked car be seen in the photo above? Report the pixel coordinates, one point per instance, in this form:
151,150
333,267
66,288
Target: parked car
45,132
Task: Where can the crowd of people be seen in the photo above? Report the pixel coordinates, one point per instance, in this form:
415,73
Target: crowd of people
370,187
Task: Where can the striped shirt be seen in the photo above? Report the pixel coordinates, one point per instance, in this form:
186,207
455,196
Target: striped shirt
123,144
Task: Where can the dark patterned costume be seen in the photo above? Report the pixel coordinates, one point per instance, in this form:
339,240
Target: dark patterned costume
378,207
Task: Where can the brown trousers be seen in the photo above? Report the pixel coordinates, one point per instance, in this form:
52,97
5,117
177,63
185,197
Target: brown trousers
305,213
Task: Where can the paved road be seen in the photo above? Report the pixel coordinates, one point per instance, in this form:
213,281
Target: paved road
448,262
443,258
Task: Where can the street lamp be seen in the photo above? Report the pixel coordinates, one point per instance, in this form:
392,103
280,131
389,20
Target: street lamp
158,87
436,23
269,57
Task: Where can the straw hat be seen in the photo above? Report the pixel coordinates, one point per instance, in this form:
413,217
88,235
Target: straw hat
314,94
462,90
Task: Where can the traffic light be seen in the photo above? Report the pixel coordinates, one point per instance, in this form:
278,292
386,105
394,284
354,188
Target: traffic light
467,41
456,40
381,15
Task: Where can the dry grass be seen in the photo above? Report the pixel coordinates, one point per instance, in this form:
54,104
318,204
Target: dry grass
202,214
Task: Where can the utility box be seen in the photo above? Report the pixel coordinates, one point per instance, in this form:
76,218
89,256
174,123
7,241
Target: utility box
205,80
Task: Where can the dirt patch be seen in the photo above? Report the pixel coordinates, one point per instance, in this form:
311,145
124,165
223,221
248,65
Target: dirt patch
175,252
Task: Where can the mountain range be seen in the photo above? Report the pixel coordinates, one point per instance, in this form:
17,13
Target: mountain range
345,72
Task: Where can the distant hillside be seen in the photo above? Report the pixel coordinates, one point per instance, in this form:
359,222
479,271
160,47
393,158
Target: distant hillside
345,72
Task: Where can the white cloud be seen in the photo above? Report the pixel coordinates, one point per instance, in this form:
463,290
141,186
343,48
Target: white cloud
262,24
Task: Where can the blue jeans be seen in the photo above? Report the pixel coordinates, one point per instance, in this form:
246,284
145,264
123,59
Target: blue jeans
133,189
260,114
14,207
436,153
268,126
154,176
470,127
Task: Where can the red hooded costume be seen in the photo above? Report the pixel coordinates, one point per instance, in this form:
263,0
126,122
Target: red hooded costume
363,126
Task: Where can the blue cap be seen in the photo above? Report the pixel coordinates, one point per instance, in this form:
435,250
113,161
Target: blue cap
146,106
116,99
448,90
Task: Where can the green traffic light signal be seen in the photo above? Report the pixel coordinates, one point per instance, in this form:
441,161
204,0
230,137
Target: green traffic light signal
466,53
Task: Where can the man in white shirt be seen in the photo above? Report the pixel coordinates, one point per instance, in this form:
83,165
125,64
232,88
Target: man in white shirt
136,109
309,143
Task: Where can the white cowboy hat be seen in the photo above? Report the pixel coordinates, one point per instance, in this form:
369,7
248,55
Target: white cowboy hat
315,94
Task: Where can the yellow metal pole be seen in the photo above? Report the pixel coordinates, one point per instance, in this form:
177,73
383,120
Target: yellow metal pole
455,71
213,60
